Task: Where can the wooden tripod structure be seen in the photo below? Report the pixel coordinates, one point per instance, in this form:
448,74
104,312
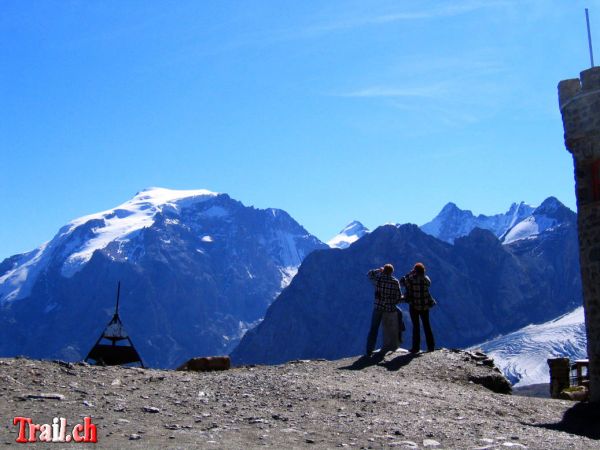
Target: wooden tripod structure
120,350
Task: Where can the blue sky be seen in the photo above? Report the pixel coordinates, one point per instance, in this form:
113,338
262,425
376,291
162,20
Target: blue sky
381,111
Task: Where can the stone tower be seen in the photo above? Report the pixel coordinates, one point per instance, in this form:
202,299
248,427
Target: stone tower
579,101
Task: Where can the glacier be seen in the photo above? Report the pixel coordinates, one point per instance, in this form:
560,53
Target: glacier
522,355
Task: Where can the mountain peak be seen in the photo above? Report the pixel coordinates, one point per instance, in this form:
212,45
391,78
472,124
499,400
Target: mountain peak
159,195
453,222
516,207
551,213
349,234
450,207
353,227
549,206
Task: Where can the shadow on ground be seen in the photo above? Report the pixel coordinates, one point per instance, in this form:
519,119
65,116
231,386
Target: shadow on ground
363,362
399,361
582,419
378,359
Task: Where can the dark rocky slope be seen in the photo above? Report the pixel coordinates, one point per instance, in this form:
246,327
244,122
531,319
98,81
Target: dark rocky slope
483,289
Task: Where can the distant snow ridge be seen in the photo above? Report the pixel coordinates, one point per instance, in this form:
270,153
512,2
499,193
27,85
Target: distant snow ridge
80,238
453,222
116,232
522,355
550,214
350,234
120,224
521,221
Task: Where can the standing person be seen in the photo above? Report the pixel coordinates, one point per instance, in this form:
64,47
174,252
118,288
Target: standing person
420,300
387,294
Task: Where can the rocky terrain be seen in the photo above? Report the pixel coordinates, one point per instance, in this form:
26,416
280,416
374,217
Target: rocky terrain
433,400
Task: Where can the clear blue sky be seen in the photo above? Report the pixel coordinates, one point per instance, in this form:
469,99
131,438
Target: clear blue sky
381,111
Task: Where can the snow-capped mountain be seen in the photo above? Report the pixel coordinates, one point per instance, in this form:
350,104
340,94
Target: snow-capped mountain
197,268
522,355
351,233
453,222
80,238
550,214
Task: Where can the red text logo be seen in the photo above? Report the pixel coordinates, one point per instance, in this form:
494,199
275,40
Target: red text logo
55,432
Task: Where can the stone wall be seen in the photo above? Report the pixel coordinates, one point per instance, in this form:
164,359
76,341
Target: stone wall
579,101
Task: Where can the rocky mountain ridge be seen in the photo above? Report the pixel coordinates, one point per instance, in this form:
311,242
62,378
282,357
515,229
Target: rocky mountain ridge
521,221
483,289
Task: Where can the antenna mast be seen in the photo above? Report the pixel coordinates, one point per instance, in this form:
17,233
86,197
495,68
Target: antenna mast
587,20
118,296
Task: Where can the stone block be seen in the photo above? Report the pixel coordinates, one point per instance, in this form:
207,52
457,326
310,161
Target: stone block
206,364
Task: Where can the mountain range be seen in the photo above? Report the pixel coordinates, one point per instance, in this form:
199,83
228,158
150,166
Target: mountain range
197,269
521,221
453,222
485,287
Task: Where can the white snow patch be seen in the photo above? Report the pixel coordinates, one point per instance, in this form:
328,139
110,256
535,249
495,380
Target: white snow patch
529,228
287,275
243,328
350,234
341,241
17,283
120,223
207,238
522,355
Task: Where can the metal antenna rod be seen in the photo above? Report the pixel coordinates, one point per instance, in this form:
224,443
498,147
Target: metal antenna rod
587,20
118,296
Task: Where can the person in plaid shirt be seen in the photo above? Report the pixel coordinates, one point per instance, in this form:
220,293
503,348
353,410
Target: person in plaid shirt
387,295
420,300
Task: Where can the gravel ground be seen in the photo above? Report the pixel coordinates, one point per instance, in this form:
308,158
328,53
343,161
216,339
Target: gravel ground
427,401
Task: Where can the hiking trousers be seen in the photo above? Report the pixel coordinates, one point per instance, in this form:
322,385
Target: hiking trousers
423,316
